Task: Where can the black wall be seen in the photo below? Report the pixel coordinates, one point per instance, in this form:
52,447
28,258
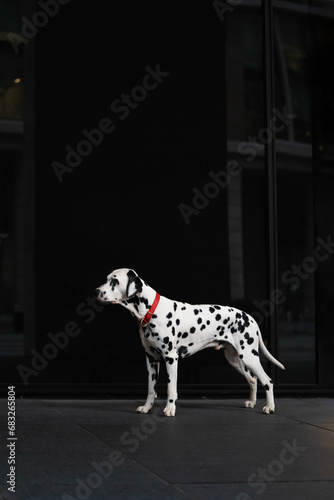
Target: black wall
119,207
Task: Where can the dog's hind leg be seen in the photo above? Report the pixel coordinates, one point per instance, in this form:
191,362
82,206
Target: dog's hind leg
153,365
234,360
255,367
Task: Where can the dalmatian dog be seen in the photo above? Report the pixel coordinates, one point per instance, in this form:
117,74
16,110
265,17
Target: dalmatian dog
172,330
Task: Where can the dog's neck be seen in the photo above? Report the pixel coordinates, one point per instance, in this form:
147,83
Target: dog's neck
140,303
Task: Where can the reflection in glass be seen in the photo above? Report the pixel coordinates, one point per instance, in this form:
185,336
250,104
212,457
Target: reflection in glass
295,212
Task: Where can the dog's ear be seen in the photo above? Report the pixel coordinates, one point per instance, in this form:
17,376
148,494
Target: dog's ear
134,285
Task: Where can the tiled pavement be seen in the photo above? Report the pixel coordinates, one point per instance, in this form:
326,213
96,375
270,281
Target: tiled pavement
212,449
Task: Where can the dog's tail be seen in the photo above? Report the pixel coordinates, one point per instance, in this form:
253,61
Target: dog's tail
267,353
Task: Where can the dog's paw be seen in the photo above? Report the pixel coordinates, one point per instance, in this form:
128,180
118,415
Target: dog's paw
249,404
169,411
143,409
269,409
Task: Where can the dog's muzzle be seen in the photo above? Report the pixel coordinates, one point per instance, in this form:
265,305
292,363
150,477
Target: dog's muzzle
102,296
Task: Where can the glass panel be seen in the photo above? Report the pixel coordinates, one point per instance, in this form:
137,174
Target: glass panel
295,231
12,197
246,191
11,248
322,25
11,68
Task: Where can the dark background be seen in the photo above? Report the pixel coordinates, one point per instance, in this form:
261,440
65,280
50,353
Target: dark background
228,74
119,207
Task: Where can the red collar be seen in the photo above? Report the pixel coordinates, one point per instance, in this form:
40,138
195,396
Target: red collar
144,321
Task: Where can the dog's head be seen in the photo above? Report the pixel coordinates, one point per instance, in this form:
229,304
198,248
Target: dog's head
121,284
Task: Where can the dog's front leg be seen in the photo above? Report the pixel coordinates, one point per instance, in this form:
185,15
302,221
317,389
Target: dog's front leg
153,366
171,366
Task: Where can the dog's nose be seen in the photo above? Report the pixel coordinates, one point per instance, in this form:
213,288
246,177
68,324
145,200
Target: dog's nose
97,292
